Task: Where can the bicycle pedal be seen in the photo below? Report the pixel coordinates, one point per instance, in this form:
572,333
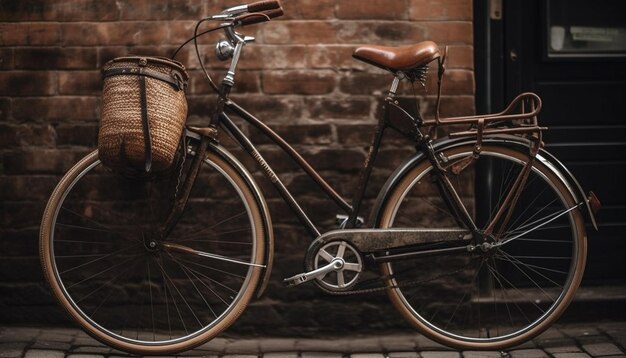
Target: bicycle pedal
301,278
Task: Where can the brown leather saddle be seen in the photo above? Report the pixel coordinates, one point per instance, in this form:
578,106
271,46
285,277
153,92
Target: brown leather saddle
396,59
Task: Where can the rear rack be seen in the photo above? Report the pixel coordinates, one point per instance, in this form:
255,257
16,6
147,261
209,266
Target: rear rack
519,117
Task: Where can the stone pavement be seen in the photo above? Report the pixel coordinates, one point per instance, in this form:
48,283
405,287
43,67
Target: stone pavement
600,339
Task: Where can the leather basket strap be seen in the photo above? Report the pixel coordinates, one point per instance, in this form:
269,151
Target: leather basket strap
173,79
146,124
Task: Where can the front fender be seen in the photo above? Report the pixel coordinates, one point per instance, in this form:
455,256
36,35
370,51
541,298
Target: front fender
512,142
267,222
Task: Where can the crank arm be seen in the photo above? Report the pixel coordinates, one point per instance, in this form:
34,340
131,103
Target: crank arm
301,278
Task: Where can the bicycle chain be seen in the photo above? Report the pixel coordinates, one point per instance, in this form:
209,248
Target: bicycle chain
378,289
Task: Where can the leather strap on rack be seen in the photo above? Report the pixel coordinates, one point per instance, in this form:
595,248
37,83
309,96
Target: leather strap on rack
478,147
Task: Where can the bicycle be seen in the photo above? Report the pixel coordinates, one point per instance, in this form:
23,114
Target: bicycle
164,264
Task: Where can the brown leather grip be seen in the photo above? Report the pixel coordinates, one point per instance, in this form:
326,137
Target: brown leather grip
255,18
260,6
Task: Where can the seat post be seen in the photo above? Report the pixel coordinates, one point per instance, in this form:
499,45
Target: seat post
394,85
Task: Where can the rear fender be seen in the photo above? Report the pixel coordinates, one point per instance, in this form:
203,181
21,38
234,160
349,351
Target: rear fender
512,142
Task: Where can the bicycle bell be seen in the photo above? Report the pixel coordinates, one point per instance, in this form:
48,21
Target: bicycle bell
224,50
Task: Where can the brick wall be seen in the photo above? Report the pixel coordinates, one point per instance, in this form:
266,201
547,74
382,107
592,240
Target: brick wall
298,77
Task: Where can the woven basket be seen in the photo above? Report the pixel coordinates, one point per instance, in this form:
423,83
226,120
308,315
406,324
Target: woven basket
143,113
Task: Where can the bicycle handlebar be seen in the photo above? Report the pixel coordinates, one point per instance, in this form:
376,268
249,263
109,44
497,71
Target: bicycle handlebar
261,6
257,17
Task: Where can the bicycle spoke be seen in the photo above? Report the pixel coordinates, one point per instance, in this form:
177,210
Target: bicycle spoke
195,233
101,272
98,259
515,260
509,239
513,287
212,268
183,299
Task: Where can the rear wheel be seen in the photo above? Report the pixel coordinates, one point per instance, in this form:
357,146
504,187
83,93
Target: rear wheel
133,288
508,291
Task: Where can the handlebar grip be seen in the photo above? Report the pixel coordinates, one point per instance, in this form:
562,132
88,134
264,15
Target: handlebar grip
255,18
274,13
265,5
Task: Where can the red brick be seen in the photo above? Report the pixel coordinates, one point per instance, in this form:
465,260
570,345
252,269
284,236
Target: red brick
77,135
460,57
301,134
56,58
298,82
161,10
43,34
20,215
372,9
355,134
324,108
27,10
25,135
6,59
5,108
334,57
20,242
10,34
59,10
337,159
380,33
455,82
299,32
429,10
41,161
450,32
31,33
269,109
86,10
56,109
274,57
27,83
451,106
245,82
114,33
80,82
309,9
181,31
366,83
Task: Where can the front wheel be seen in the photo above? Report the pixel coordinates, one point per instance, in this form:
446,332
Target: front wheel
511,290
127,285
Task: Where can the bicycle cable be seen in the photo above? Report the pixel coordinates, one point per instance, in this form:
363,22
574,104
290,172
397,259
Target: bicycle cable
194,38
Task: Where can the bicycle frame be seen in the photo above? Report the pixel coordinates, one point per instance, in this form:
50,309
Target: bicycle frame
248,146
423,143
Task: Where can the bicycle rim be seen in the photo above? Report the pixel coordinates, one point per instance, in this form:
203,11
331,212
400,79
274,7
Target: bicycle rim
499,297
137,291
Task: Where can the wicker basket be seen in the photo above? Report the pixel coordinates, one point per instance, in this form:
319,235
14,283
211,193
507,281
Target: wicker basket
143,113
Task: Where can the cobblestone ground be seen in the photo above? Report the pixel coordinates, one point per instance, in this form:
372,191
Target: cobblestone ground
561,341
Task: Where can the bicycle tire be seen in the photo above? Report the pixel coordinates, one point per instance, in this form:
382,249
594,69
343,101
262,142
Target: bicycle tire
95,248
523,290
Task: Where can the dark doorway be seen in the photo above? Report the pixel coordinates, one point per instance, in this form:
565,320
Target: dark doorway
572,53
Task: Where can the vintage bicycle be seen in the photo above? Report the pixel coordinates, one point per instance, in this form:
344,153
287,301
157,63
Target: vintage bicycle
478,238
